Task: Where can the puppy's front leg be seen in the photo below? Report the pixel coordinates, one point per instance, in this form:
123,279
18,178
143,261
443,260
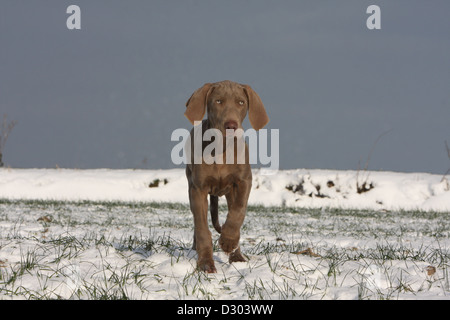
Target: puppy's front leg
202,235
231,229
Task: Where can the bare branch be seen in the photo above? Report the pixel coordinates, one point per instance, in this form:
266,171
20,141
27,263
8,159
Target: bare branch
448,149
448,154
365,186
373,148
6,129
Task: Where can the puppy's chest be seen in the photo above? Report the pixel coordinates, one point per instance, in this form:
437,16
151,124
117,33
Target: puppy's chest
219,185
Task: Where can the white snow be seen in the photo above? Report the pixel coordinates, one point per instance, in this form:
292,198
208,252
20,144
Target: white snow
110,249
391,190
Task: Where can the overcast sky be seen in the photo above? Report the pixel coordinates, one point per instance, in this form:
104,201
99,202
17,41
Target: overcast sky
110,95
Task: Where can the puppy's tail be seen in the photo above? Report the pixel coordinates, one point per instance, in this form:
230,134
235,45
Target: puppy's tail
214,207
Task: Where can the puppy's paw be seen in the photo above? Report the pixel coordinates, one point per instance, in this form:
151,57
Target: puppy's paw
228,245
236,256
206,266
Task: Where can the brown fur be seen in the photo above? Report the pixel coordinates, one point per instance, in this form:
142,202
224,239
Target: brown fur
227,103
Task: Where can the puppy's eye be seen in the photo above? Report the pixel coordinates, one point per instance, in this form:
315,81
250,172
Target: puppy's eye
241,103
218,101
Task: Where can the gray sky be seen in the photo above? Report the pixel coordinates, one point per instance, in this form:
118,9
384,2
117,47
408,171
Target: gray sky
110,95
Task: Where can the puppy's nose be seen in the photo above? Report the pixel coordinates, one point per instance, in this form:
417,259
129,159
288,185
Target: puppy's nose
231,125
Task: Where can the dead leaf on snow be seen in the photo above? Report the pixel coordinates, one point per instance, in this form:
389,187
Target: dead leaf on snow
430,270
308,252
45,219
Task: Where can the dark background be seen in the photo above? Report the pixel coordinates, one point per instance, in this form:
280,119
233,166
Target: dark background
110,95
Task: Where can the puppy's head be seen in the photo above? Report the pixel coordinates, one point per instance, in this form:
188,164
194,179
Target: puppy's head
227,103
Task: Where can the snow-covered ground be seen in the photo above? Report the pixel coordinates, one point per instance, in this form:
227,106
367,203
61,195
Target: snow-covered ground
95,234
292,188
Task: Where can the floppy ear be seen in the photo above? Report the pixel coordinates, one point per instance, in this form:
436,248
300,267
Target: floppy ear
196,105
256,112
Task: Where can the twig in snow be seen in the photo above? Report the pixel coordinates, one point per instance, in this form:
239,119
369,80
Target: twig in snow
448,154
365,186
6,129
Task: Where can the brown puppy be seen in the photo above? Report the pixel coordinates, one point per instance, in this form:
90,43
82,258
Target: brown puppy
227,104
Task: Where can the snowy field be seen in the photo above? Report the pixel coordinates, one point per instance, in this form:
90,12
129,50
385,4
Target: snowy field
308,234
288,188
